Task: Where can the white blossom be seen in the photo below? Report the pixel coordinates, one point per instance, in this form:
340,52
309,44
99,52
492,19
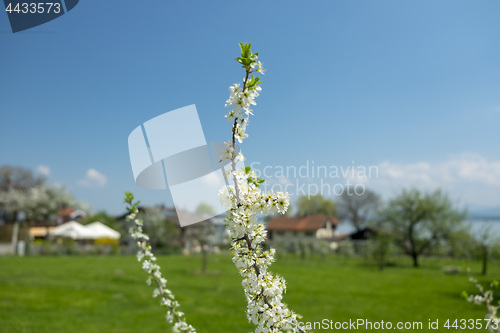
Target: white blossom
486,298
146,256
244,201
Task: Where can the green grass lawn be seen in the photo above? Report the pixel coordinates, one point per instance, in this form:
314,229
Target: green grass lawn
109,294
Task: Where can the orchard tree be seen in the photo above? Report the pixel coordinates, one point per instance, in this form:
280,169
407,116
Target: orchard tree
41,203
11,205
419,220
15,183
358,209
25,197
163,233
485,245
21,191
315,205
18,178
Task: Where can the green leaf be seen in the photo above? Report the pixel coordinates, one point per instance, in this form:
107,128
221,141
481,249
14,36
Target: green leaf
253,57
245,50
247,169
253,81
464,294
247,57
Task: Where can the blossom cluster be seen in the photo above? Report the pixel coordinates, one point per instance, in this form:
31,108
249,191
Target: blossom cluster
485,297
150,266
244,201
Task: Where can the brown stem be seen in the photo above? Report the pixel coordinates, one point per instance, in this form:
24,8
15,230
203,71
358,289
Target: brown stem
236,119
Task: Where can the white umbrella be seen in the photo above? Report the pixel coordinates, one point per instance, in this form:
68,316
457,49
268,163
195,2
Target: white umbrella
100,230
72,229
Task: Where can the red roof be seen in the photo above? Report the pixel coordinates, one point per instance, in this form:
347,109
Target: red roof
305,223
65,211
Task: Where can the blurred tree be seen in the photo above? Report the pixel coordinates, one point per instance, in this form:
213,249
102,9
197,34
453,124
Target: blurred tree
459,244
485,246
205,233
25,197
315,205
15,182
418,221
18,178
357,209
162,232
381,242
204,209
23,192
11,205
202,235
41,203
110,221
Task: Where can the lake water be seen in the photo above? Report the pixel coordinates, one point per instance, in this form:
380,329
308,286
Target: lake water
477,226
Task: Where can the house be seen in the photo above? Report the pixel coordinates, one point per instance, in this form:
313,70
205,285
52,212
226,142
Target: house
69,214
293,231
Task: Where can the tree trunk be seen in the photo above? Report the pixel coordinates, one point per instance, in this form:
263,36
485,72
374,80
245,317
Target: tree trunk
302,248
15,236
382,251
485,260
413,247
414,255
205,258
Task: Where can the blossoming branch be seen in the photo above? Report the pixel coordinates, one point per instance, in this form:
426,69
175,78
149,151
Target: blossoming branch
244,201
485,297
149,265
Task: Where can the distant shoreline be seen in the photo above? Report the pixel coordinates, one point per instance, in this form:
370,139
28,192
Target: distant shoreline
481,218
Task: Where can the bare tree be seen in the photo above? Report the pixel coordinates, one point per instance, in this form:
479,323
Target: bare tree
358,209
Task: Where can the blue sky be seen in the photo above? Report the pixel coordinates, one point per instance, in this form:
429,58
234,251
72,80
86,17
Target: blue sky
410,87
